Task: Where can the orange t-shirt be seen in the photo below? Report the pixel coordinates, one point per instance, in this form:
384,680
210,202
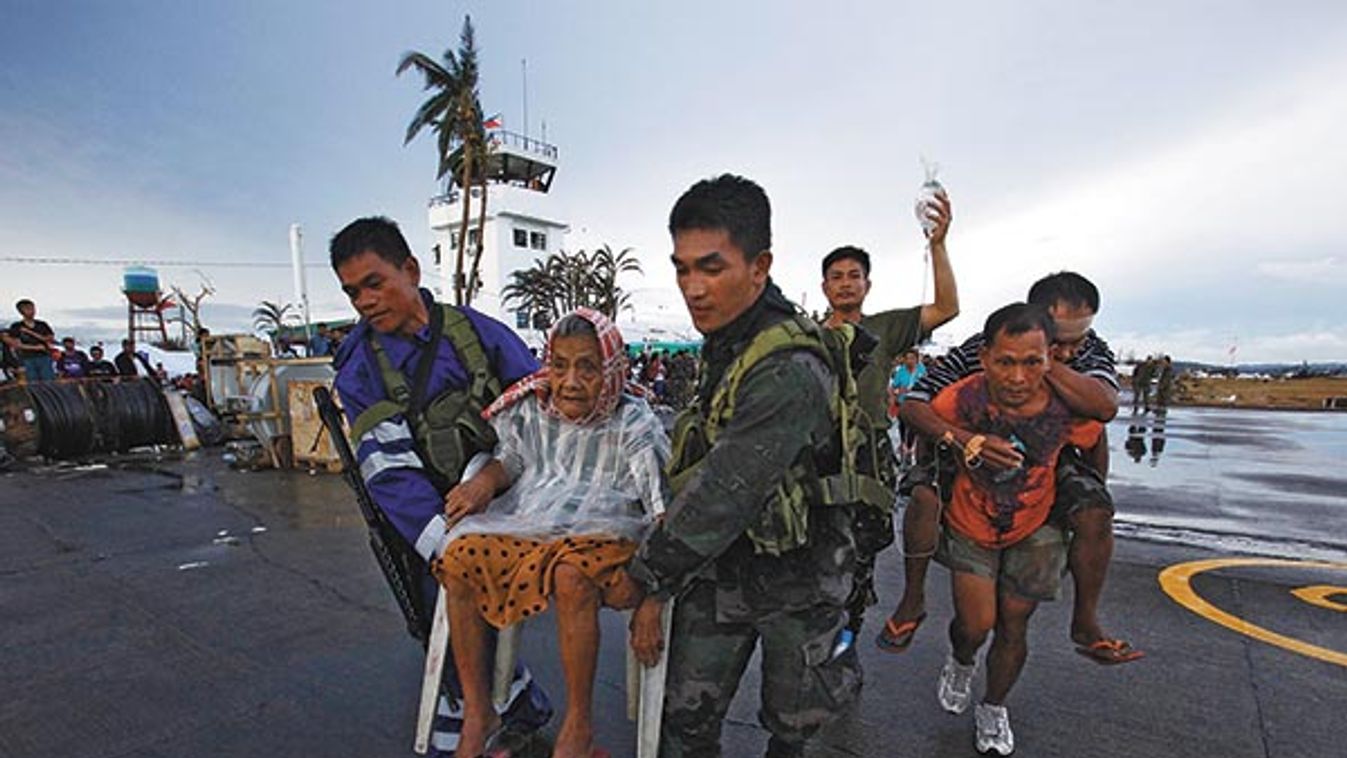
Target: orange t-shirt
997,509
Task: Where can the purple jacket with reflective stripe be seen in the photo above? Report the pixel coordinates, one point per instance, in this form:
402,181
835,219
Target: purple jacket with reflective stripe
388,461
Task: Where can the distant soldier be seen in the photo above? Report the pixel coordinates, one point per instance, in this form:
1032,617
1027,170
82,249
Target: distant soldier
1164,385
1142,375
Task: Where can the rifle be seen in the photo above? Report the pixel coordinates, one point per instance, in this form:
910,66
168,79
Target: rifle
401,565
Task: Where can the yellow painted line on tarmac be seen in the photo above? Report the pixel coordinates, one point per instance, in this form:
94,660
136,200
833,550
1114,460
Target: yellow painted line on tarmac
1176,581
1319,595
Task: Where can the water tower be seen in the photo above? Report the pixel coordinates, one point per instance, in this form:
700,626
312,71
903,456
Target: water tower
144,304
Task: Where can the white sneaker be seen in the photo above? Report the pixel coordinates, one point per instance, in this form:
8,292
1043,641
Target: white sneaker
993,729
956,684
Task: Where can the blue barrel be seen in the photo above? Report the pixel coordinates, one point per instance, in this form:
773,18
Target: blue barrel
141,285
140,279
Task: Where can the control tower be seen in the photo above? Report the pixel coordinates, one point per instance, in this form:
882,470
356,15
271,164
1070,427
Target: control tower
521,226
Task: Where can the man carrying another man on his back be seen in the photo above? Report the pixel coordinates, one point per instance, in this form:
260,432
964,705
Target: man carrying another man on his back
1082,374
999,543
846,283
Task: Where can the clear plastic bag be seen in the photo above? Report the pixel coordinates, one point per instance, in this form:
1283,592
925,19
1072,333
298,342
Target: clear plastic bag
598,479
926,202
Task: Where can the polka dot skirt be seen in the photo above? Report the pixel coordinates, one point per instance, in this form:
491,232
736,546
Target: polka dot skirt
513,576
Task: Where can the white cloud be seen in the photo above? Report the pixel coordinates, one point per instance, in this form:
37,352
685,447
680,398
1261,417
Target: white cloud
1212,346
1330,270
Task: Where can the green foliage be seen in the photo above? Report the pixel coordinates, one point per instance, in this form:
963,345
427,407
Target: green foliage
566,281
269,318
452,111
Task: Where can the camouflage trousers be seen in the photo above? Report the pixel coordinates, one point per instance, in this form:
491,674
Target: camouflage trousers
803,686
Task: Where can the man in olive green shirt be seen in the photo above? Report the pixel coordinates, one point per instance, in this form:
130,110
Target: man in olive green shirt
846,282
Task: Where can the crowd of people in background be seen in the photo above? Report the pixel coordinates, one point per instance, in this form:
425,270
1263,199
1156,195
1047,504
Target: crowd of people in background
668,376
30,354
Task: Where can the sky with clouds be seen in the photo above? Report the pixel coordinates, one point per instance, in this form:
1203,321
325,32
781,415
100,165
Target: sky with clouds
1188,157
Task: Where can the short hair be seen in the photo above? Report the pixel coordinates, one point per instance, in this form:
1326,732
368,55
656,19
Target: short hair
373,234
845,253
128,343
18,306
96,349
1065,287
730,203
1018,318
574,325
67,339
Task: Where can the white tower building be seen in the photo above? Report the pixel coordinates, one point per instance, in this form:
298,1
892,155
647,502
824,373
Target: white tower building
520,225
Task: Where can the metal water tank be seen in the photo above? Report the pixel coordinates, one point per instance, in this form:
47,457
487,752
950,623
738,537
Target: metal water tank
141,285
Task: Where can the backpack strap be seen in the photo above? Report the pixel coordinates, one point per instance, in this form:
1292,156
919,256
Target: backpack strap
407,398
483,385
795,333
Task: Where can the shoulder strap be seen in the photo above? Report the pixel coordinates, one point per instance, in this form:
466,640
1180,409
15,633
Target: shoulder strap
372,417
427,361
483,385
792,334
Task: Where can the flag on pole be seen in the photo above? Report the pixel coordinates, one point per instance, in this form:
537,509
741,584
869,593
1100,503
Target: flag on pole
493,122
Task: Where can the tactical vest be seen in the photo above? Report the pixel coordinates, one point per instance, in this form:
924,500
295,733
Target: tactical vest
844,474
450,430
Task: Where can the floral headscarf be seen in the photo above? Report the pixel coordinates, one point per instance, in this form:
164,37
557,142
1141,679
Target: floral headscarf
614,381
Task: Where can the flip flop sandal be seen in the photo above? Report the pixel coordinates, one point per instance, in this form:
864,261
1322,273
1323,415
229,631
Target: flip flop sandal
1110,652
897,636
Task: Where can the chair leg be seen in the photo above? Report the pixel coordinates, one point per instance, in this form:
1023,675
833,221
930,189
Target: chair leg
430,682
633,677
652,680
507,650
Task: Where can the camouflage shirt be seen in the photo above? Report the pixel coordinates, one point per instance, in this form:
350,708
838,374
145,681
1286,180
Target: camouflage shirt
781,414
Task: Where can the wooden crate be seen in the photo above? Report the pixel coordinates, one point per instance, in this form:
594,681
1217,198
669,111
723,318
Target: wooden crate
311,445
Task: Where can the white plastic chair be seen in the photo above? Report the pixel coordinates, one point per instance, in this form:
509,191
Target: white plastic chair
645,686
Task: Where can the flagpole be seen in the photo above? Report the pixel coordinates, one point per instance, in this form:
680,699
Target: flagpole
524,64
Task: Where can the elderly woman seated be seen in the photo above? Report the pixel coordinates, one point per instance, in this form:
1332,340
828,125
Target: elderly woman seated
574,482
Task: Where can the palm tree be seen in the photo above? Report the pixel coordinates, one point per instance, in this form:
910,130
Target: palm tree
454,113
269,318
565,281
607,267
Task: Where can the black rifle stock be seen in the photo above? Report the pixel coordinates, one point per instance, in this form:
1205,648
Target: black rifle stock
402,567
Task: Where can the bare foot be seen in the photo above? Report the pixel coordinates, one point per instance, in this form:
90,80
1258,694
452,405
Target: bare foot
910,608
477,729
574,741
1086,634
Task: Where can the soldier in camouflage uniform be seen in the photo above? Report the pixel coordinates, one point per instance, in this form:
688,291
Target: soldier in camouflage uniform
731,592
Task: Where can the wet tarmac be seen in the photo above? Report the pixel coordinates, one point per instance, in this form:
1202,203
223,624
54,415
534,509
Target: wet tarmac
1268,482
184,609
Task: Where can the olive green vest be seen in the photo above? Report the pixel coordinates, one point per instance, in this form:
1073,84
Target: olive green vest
450,430
837,478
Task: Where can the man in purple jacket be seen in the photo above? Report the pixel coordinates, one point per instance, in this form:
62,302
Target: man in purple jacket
395,332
